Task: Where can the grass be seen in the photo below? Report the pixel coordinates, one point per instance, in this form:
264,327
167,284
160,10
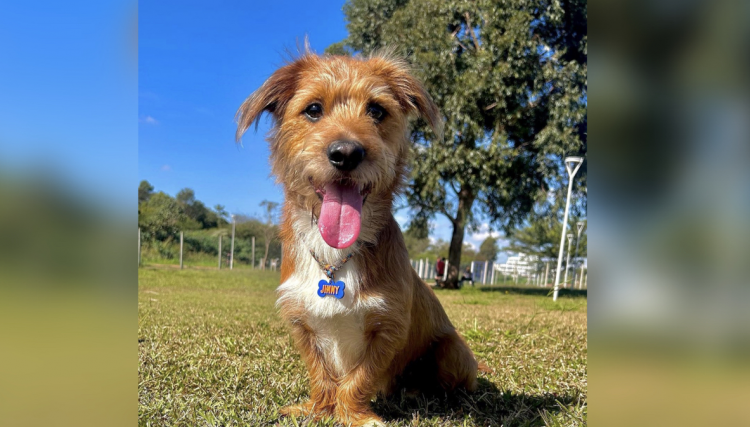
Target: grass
214,352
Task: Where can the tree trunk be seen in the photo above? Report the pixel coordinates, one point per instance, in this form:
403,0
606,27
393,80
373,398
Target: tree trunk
465,201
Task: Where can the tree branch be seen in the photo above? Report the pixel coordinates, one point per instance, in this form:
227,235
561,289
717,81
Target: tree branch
454,34
443,211
471,30
452,187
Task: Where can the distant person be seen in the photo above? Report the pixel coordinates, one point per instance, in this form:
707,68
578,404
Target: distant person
466,277
439,270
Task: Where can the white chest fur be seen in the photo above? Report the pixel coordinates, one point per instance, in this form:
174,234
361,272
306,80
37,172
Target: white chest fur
338,324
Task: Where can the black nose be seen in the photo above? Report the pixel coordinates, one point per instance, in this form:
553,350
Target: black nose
346,155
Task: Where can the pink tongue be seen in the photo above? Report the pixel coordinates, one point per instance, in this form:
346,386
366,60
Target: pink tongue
339,220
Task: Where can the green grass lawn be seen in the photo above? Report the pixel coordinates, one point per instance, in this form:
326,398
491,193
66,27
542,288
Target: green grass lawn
213,351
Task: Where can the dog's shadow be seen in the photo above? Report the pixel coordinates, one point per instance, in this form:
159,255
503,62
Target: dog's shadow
487,406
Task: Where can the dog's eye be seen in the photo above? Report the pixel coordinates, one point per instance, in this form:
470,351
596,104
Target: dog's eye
376,112
314,111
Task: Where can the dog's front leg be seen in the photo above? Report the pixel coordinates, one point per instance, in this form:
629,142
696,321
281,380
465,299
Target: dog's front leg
322,384
386,336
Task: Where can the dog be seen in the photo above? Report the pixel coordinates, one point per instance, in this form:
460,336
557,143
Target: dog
364,322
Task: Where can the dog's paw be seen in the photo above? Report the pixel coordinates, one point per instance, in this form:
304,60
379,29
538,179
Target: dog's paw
300,410
307,409
367,419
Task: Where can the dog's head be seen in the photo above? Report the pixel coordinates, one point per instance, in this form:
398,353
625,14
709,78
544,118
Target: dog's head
340,136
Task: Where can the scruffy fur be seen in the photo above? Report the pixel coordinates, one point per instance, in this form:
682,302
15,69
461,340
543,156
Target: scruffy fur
389,329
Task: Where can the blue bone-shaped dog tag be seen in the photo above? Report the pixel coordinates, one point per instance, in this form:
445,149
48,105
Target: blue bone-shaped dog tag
335,289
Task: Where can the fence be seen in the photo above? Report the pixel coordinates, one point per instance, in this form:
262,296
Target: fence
482,272
489,273
199,248
202,249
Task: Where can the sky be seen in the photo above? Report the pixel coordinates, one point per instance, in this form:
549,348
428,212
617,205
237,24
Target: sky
65,97
197,64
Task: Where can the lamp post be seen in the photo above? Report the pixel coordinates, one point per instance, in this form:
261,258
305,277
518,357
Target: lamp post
231,254
572,164
580,225
567,261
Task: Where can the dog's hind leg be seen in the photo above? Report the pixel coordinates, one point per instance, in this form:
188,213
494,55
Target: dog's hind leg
456,364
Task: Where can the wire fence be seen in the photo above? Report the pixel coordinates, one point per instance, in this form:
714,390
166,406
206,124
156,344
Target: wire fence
205,250
199,249
488,273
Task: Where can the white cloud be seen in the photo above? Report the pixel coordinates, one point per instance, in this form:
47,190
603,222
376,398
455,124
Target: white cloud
149,120
166,168
484,232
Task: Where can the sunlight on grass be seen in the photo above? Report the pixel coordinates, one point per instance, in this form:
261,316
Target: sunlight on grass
213,351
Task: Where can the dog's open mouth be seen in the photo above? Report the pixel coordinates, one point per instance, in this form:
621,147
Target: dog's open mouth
341,212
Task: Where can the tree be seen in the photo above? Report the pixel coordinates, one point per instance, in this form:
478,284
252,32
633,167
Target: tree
510,77
145,190
159,217
221,213
198,215
249,227
488,250
541,238
186,196
270,231
416,242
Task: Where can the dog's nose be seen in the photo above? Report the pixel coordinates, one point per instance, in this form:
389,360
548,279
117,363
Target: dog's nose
346,155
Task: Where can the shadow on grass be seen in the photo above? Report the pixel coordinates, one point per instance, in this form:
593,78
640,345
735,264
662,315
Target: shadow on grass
520,290
487,406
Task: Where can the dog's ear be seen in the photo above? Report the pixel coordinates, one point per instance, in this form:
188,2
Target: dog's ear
271,97
409,92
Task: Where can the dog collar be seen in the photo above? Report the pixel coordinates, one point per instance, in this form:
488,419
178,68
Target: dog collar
331,287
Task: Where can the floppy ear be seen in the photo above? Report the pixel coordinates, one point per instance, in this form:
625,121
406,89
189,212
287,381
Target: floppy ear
409,92
271,97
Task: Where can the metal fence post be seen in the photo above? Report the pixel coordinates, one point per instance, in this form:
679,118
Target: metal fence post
139,246
231,255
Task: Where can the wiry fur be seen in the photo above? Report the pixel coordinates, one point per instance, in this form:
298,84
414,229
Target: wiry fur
389,325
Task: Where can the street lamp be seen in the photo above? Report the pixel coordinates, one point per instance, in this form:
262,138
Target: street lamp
580,225
567,261
231,254
572,164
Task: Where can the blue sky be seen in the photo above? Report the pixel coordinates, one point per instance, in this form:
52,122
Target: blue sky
68,97
197,63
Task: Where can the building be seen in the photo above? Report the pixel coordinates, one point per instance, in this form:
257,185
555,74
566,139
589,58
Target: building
521,265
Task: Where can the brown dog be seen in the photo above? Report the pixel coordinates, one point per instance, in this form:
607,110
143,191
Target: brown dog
340,147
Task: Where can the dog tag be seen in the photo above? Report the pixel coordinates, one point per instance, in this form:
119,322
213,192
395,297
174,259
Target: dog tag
334,289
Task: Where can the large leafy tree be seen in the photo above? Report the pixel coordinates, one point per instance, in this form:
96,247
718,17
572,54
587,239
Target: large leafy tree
160,217
145,190
488,250
510,78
